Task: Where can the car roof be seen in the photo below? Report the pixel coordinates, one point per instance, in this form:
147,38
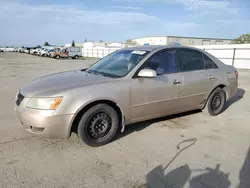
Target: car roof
157,47
162,47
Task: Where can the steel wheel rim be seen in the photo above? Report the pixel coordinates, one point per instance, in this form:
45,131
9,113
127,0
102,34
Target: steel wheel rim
98,126
216,101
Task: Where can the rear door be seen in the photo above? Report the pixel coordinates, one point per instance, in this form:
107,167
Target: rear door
198,79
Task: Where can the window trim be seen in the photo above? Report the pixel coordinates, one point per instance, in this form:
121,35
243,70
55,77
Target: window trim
158,52
178,60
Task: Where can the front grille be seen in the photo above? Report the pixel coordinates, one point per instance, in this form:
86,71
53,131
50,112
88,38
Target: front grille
19,99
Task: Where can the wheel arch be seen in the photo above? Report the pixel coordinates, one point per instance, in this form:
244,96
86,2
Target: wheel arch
222,86
84,108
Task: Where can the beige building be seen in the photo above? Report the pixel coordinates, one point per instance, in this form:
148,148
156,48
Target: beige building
177,40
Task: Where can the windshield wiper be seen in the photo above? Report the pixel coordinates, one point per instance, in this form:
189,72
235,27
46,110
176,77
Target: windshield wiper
93,72
102,74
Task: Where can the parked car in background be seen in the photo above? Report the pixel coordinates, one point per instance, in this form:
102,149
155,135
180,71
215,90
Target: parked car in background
8,49
48,52
66,52
42,52
31,51
1,50
45,52
35,51
130,85
52,52
21,50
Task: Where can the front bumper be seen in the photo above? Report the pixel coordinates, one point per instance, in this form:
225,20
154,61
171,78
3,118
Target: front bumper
43,122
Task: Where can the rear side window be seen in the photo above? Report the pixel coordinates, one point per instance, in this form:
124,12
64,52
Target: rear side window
163,62
209,64
190,60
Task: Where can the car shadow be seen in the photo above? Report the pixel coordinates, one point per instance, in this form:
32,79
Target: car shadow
245,172
238,96
144,124
179,177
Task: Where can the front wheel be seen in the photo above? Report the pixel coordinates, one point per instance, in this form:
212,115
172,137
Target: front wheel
216,102
98,125
76,57
57,57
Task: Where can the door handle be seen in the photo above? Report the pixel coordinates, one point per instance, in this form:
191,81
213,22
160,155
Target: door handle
176,82
211,77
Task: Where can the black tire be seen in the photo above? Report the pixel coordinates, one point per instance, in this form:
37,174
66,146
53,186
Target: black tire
57,57
76,57
216,102
98,125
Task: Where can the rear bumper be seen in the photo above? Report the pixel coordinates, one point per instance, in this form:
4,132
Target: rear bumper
233,88
43,123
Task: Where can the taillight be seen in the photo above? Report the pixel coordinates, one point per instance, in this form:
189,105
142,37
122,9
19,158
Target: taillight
236,73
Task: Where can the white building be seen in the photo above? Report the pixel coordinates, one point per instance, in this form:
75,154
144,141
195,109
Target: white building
177,40
89,45
100,49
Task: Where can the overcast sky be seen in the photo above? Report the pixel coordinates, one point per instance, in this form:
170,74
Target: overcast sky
32,22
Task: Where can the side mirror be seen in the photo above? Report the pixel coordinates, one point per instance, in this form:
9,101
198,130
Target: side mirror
147,73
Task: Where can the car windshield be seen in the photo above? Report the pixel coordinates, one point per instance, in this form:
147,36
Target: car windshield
118,64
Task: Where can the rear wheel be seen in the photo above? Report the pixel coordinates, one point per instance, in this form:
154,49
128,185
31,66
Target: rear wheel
76,57
57,57
98,125
216,102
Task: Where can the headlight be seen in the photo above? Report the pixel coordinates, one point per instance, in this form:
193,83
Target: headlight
44,103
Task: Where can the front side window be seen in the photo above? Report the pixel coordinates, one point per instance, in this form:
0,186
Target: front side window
209,64
190,60
119,63
163,62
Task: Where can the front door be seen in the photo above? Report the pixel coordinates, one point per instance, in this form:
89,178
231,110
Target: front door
155,97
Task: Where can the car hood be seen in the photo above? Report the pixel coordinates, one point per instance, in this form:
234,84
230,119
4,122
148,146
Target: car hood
54,84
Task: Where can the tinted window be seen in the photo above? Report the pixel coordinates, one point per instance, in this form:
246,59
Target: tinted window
209,64
162,62
190,60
